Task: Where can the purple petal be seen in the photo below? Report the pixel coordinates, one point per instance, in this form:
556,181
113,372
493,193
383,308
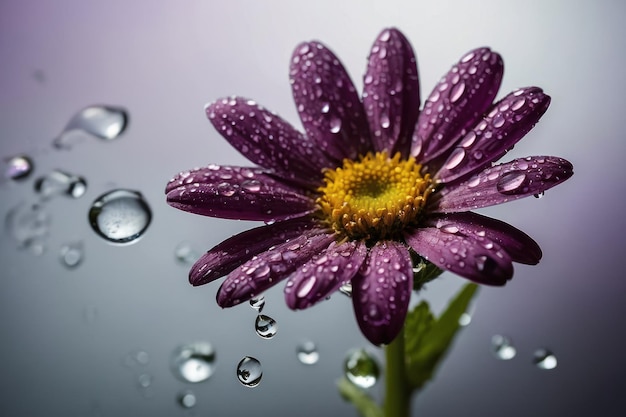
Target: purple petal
324,274
381,291
457,103
521,247
236,193
391,95
505,182
328,103
476,258
236,250
267,140
268,268
507,122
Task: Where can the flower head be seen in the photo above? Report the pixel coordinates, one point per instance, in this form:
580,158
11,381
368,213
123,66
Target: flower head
373,182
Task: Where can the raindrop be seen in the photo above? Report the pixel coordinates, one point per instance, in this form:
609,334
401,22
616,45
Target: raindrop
18,167
187,399
27,225
335,125
265,326
249,371
59,182
194,362
71,254
510,182
257,303
544,359
307,353
502,347
104,122
361,368
120,216
185,253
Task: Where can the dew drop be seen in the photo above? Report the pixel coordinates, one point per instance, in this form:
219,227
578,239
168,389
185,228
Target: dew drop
18,167
510,182
384,121
307,353
249,372
265,326
71,254
456,157
194,362
335,125
361,368
518,103
544,359
252,186
257,303
498,120
104,122
502,347
468,57
346,289
186,399
457,92
120,216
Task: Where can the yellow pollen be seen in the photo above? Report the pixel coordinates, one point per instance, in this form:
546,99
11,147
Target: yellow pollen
375,197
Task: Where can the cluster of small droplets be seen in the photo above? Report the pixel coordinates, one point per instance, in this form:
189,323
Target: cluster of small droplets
375,197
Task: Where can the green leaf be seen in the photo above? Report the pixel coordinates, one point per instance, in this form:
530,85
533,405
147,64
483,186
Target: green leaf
361,400
427,339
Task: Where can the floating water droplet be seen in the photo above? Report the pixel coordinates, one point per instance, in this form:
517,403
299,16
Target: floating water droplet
194,362
502,347
544,359
144,380
249,371
120,216
59,182
71,254
510,182
361,368
186,399
539,195
77,187
257,303
27,225
185,253
307,353
335,125
104,122
265,326
18,167
465,319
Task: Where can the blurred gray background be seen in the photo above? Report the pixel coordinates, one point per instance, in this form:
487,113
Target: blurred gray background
97,339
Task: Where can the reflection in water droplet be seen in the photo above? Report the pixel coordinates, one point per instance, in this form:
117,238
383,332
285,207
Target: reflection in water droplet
249,371
71,254
465,319
187,399
120,216
307,353
185,253
510,182
265,326
194,362
539,195
361,368
346,289
335,125
502,347
18,167
104,122
544,359
59,182
258,303
27,225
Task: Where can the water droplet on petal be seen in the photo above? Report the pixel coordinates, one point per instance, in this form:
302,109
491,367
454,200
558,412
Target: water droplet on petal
518,103
346,289
265,326
384,121
456,92
194,362
455,158
120,216
252,186
335,125
307,353
249,372
71,254
258,303
502,347
361,368
510,182
18,167
544,359
186,399
325,108
498,120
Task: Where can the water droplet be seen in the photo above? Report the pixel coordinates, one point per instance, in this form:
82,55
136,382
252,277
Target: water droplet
307,353
335,125
498,120
502,347
325,108
265,326
185,253
258,303
465,319
544,359
18,167
249,371
72,254
59,182
539,195
144,380
518,103
468,57
456,92
455,158
186,399
384,121
251,185
120,216
27,225
104,122
361,368
194,362
77,187
510,182
346,289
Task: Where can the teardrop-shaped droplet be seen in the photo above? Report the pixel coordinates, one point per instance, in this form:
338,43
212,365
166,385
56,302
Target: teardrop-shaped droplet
18,167
510,182
502,347
104,122
249,372
194,362
258,303
120,216
265,326
457,92
544,359
361,368
186,399
59,182
307,353
71,254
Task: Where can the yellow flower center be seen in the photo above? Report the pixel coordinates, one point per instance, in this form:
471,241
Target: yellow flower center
375,197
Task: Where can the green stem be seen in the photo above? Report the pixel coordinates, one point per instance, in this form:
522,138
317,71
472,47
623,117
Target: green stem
397,391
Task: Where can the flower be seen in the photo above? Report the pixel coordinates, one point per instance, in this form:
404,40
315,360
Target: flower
374,181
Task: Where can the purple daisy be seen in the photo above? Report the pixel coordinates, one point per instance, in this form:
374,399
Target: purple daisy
374,182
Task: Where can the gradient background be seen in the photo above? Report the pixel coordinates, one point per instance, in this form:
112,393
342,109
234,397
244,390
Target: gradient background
67,335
